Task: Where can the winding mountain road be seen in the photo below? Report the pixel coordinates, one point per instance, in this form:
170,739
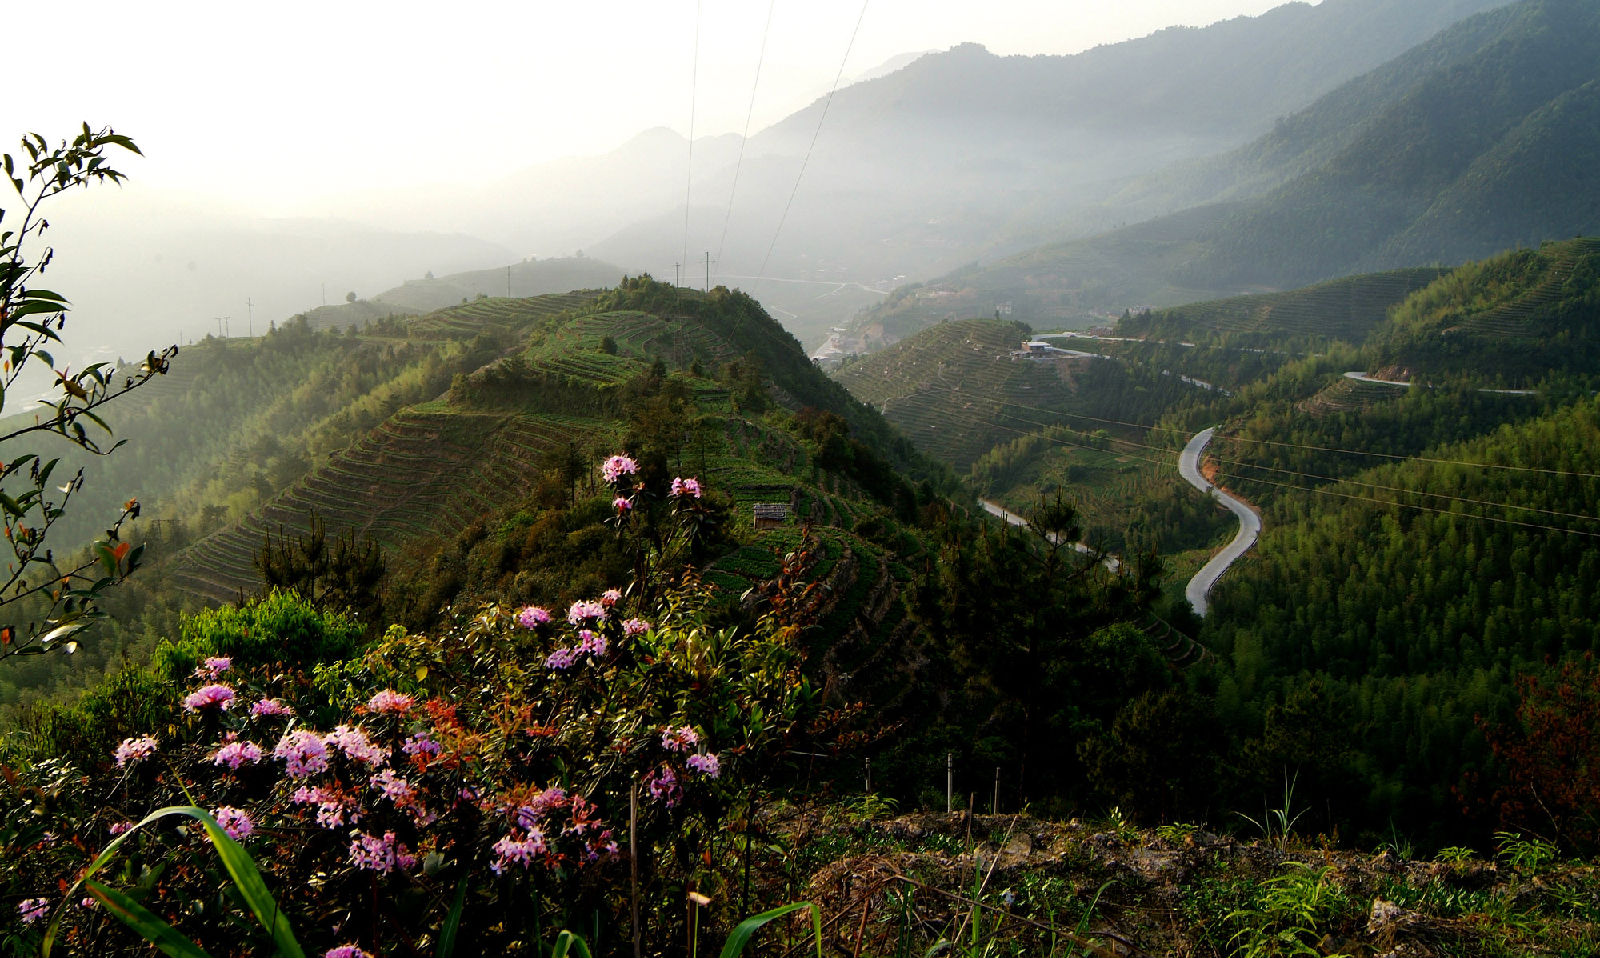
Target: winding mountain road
1249,523
1082,548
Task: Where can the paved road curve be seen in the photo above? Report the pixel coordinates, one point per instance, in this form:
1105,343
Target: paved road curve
1249,523
1082,548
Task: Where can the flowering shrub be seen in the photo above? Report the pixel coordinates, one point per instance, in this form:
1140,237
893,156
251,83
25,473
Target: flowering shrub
509,756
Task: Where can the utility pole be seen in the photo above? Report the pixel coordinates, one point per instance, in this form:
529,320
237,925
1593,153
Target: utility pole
252,317
708,271
508,282
675,275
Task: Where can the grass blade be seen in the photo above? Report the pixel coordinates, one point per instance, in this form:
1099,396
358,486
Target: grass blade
452,922
142,920
568,941
740,936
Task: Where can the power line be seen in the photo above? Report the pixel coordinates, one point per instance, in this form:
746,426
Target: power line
744,138
694,93
816,133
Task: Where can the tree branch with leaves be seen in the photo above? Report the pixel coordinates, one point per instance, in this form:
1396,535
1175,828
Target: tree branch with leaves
64,597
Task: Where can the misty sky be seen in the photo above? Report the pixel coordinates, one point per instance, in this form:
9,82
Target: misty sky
279,105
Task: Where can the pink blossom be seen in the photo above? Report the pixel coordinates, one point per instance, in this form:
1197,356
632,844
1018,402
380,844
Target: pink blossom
551,799
622,504
303,752
533,616
663,785
235,754
135,750
686,487
380,854
561,659
118,828
610,597
679,739
269,707
393,787
635,627
521,851
706,764
33,909
583,610
601,846
213,667
420,744
346,951
390,701
591,642
236,823
356,746
331,807
618,466
207,696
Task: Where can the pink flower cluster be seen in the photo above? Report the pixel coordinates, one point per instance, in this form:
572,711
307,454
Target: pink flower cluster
380,854
347,951
135,750
616,467
533,616
706,764
213,667
635,627
686,487
521,851
420,744
206,696
267,708
235,754
33,909
356,746
679,739
332,808
622,504
303,752
390,701
236,823
586,610
663,785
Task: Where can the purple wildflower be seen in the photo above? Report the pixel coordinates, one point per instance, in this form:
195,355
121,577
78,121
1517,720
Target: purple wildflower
618,466
561,659
420,744
686,487
679,739
583,610
132,751
663,785
610,597
356,746
393,787
269,707
390,701
236,823
533,616
347,951
33,909
706,764
207,696
591,642
380,854
622,504
235,754
635,627
304,753
118,828
521,851
213,667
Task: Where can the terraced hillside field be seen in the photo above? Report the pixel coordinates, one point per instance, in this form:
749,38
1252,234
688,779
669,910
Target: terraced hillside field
428,471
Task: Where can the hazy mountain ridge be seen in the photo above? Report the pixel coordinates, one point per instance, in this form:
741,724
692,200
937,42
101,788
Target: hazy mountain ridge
1394,169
